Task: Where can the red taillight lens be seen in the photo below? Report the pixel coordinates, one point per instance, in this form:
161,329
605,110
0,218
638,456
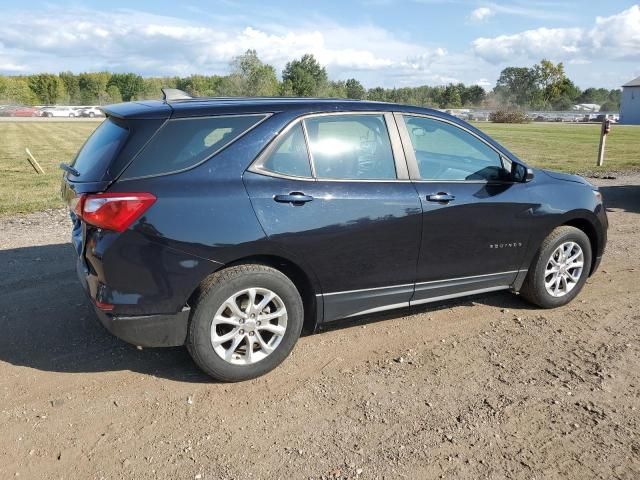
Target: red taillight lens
105,307
113,211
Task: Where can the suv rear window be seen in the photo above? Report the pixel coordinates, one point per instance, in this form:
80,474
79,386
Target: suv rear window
185,142
99,150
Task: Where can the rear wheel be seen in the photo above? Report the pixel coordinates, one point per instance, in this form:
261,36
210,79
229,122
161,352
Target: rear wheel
560,268
246,321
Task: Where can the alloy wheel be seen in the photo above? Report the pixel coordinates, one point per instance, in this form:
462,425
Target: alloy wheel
249,326
564,269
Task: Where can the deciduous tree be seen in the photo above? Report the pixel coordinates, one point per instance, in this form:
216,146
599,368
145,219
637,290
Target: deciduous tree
130,85
304,77
354,89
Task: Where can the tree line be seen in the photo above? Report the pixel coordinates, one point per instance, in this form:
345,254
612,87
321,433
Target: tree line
543,86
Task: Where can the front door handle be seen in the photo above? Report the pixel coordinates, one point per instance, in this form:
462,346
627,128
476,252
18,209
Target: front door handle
441,197
295,198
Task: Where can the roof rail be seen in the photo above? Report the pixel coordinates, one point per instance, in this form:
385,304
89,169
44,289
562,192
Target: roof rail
174,94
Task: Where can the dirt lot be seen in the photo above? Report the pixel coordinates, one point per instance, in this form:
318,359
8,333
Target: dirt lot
480,388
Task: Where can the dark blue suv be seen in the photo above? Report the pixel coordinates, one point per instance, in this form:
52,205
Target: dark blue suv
230,224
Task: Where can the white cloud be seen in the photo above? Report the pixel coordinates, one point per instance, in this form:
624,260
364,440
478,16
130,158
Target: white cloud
484,83
531,44
54,39
127,40
481,14
613,38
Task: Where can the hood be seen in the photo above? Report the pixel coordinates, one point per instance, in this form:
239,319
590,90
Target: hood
567,177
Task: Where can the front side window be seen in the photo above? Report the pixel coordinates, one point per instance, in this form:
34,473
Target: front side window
446,152
352,147
185,142
290,156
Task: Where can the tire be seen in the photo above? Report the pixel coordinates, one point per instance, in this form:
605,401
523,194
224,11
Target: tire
91,114
213,300
535,288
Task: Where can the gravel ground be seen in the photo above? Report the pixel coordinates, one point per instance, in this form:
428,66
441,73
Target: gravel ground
485,387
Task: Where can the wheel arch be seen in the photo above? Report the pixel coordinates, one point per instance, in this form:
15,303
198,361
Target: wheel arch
304,282
584,221
590,231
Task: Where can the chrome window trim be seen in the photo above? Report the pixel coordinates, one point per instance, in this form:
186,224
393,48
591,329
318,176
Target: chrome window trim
411,156
305,134
264,116
257,166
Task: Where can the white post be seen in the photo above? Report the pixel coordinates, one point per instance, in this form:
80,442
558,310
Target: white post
604,130
34,163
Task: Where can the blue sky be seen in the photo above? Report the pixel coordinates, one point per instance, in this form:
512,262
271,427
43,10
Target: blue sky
380,42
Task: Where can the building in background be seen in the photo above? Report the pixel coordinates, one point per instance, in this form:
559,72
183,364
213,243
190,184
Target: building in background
587,107
630,104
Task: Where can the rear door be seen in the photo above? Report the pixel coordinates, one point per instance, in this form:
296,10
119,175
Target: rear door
333,190
476,220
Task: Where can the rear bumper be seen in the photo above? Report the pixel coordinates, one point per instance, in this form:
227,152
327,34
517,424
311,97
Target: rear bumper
148,330
166,330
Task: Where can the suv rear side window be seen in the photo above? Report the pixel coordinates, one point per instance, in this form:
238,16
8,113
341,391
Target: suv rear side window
353,147
185,142
290,157
99,150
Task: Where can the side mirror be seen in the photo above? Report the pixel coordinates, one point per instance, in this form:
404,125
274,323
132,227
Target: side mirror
520,173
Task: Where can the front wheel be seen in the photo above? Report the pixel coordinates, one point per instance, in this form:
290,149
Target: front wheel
559,269
246,321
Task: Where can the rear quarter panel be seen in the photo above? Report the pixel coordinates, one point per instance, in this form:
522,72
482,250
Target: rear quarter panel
203,214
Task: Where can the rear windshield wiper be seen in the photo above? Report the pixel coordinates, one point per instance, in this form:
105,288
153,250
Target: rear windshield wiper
69,169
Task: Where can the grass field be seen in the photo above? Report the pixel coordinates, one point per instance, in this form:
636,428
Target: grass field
21,189
568,147
565,147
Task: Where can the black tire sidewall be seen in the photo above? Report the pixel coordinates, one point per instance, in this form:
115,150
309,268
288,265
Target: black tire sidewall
544,297
200,326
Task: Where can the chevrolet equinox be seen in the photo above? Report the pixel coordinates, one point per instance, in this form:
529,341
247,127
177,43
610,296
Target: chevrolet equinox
229,225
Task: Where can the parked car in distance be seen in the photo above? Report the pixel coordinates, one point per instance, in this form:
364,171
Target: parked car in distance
19,111
229,225
90,112
58,111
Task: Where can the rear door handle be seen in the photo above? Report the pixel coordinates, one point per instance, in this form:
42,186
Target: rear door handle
295,198
442,197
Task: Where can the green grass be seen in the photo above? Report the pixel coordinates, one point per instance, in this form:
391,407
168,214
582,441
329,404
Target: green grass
570,148
50,142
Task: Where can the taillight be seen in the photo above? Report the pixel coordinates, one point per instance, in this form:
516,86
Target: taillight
112,211
105,307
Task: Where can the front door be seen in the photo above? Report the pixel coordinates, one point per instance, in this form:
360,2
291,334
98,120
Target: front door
328,191
475,223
